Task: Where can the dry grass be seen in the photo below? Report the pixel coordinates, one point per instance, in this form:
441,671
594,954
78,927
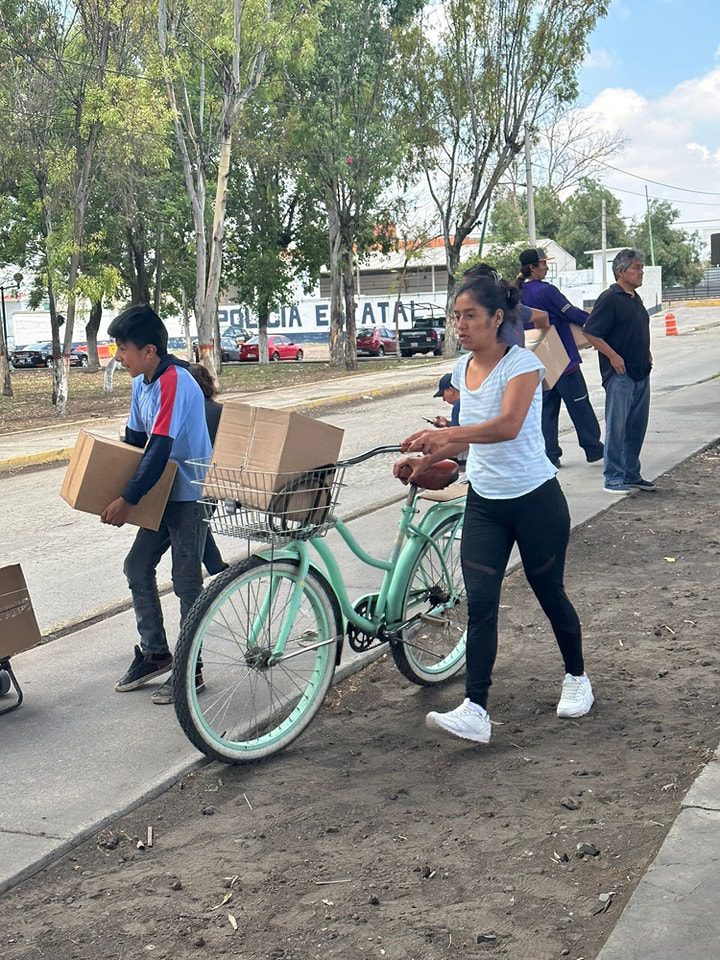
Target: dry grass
31,405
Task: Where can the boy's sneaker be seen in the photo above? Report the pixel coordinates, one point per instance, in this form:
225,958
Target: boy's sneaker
469,721
143,669
164,694
618,488
576,697
647,485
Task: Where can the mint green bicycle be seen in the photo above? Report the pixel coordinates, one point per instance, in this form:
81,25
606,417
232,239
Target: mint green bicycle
257,652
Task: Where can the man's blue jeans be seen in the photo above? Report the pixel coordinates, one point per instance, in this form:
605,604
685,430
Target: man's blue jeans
627,405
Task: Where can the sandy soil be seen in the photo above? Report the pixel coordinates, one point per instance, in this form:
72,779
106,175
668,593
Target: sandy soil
373,837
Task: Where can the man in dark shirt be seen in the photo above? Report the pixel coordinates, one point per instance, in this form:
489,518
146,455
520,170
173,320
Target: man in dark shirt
619,329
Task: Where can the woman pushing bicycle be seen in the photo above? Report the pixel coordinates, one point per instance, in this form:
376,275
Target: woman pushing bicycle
513,497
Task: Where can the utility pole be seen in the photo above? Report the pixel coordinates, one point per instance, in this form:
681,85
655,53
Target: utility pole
649,219
529,190
603,242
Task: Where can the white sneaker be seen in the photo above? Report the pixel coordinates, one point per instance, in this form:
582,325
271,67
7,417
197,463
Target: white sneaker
576,697
469,721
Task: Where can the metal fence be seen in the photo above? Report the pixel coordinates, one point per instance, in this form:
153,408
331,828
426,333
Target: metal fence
708,289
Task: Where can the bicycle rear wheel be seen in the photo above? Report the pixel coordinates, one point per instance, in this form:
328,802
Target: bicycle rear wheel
431,649
254,704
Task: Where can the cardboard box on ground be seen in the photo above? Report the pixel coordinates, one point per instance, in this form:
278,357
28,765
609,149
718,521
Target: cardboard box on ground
259,458
100,469
549,349
18,627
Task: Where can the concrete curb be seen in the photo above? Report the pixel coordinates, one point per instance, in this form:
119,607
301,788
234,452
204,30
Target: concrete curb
319,403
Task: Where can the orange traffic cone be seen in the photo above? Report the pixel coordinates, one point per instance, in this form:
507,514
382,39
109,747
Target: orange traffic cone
671,329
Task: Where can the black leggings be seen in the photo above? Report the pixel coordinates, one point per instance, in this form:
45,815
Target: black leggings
539,522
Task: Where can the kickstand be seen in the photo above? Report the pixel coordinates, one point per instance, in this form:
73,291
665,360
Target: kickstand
5,668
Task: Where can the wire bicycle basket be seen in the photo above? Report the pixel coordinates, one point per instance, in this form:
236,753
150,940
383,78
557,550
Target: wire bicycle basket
266,505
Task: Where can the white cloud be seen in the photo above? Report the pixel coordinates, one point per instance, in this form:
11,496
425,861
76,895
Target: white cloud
674,139
599,60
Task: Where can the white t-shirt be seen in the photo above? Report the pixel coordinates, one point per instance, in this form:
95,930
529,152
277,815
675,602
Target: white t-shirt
510,468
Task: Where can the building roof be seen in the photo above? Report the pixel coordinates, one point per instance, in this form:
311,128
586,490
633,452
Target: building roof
430,256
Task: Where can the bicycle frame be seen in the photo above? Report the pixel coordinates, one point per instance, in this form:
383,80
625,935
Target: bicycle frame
410,539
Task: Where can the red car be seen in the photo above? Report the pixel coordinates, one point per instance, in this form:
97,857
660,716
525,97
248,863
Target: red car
279,348
376,341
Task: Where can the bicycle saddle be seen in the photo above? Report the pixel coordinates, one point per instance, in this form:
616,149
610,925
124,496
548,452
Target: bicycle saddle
436,477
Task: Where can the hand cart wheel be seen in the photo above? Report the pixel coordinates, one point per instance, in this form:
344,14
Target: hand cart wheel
8,681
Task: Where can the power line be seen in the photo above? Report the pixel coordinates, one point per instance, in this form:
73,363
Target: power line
658,183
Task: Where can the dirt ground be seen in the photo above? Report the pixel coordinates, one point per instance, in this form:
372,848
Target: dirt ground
374,837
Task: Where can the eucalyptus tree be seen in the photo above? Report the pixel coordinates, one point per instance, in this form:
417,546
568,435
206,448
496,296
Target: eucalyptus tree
347,139
484,72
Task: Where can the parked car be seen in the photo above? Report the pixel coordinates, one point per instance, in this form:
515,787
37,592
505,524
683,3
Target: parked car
40,355
279,348
229,350
427,334
376,341
240,334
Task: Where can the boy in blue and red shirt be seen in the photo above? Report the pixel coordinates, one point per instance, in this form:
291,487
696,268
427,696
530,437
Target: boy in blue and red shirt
167,419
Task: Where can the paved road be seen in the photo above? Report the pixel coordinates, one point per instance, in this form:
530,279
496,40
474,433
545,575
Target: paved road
73,563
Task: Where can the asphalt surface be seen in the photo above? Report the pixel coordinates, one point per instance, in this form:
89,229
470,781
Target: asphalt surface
76,755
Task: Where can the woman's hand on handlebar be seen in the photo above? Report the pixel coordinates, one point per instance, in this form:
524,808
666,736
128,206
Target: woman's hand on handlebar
424,441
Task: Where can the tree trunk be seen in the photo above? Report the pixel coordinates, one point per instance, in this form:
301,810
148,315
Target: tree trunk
91,332
348,277
186,328
109,374
158,273
212,291
452,255
337,319
263,317
7,390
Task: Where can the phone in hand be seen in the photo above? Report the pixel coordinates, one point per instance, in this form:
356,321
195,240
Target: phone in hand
431,422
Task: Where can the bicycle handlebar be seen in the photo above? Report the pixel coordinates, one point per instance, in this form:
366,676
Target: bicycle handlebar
361,457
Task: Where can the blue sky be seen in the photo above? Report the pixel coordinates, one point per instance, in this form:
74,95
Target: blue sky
653,75
652,45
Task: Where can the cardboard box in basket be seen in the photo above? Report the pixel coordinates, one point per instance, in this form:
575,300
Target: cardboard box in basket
100,469
259,452
18,627
549,349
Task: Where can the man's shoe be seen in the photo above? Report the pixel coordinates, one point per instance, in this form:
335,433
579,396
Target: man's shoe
468,721
618,488
596,458
576,697
555,463
143,669
164,694
647,485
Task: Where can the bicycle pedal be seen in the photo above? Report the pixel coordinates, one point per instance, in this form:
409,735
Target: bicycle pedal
437,621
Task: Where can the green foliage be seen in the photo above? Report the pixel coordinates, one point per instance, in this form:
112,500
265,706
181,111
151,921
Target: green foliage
508,218
676,251
504,257
581,222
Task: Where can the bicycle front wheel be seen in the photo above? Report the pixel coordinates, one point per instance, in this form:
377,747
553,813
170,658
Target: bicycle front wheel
431,648
255,700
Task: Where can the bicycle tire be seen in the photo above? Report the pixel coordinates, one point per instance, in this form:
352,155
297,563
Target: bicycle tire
271,703
430,652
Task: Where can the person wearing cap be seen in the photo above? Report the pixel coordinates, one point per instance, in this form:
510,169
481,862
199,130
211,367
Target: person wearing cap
571,388
450,395
513,330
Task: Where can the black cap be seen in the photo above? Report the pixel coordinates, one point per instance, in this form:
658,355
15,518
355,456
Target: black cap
530,257
444,384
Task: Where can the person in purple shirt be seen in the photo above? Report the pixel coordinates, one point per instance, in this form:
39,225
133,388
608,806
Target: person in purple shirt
571,387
